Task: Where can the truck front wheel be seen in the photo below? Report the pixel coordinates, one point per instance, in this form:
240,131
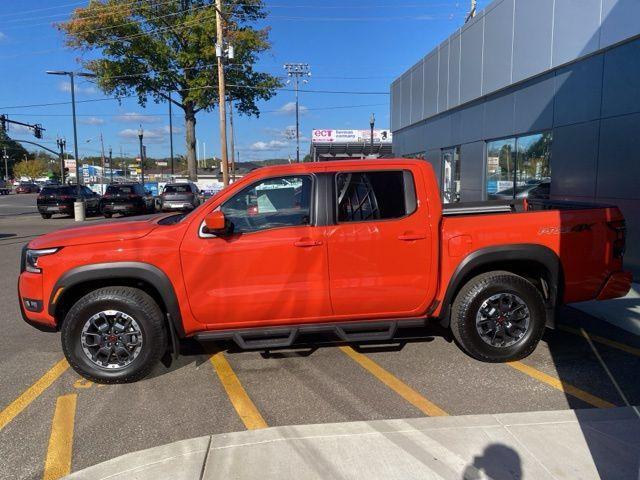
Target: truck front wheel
114,335
498,317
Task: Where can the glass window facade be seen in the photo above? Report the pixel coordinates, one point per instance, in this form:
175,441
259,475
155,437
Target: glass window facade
519,167
451,175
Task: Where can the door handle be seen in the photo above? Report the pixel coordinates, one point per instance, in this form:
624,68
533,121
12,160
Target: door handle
410,237
307,242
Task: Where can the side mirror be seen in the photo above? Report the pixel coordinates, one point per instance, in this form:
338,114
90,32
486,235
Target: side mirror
217,224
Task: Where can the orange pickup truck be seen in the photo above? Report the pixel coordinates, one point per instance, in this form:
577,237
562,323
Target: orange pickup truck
357,249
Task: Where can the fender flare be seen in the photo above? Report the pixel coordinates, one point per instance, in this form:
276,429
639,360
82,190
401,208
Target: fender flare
124,270
539,254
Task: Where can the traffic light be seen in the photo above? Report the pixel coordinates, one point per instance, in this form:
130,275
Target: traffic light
37,130
3,122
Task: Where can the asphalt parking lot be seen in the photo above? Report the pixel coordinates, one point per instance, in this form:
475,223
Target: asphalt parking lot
52,421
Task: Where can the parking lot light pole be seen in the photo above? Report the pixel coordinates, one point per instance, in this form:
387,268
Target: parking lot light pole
141,136
78,206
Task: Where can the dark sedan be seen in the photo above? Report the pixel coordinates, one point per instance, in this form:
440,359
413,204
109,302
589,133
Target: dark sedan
59,199
26,187
127,198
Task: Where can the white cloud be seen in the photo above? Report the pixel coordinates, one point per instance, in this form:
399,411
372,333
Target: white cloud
2,36
152,135
270,146
66,87
290,109
136,117
91,121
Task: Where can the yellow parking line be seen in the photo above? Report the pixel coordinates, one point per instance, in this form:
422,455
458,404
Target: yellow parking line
394,383
58,462
603,340
561,385
31,393
246,409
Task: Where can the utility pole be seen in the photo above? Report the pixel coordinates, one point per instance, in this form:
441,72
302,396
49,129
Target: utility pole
140,137
61,144
171,135
6,165
221,93
111,163
297,70
232,141
102,159
372,122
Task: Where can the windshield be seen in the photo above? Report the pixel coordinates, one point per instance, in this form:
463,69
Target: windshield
119,189
177,189
58,191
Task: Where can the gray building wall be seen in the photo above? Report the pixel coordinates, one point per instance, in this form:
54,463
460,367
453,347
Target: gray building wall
523,66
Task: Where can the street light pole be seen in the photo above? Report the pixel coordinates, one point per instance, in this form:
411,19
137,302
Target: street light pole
78,207
102,164
6,165
372,122
141,136
221,93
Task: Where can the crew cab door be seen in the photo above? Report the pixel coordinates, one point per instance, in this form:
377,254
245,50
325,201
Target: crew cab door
271,270
380,246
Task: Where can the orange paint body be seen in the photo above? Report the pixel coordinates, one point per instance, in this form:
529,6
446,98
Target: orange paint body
379,269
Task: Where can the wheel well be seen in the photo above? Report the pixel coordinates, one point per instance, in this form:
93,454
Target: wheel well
533,271
73,293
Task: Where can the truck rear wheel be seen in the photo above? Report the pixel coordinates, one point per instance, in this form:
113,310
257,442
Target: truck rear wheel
114,335
498,317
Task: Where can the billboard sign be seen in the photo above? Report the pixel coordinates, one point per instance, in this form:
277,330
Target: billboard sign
350,136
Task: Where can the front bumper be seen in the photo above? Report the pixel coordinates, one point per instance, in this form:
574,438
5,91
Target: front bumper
617,285
30,289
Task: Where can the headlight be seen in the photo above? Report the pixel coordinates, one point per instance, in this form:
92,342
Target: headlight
32,256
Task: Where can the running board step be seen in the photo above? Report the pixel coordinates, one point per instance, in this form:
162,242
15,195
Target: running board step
283,337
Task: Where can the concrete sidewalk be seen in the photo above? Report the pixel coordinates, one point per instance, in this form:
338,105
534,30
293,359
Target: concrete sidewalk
566,444
621,312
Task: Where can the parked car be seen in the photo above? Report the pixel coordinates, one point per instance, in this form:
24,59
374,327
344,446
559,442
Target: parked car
358,249
5,187
127,199
534,190
56,199
27,187
179,196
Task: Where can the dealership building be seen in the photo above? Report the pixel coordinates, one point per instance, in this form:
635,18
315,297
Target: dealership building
531,97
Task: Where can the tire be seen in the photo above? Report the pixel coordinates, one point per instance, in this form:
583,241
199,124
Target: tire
148,324
107,215
46,216
501,289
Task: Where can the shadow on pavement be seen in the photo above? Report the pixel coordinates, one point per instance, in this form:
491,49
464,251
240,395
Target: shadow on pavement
498,462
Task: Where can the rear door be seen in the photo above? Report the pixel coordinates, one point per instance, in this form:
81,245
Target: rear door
380,245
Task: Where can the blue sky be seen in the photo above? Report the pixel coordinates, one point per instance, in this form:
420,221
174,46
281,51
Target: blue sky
351,45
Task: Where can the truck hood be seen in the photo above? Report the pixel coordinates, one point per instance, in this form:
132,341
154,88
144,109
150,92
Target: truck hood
110,232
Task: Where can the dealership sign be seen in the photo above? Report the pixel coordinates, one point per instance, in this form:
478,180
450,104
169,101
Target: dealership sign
350,136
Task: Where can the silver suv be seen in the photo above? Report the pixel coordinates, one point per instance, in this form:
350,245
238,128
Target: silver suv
179,196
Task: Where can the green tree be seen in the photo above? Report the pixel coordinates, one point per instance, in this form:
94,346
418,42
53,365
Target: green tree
31,169
149,48
14,151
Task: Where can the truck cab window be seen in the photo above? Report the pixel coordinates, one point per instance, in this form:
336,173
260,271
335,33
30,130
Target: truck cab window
270,203
363,196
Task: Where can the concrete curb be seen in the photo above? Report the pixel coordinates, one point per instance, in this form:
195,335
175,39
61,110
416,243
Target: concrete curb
542,445
621,312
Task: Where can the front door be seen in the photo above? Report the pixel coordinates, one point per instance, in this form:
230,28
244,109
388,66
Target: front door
271,271
380,247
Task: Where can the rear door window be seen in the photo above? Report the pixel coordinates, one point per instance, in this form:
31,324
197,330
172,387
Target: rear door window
120,189
368,196
177,189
